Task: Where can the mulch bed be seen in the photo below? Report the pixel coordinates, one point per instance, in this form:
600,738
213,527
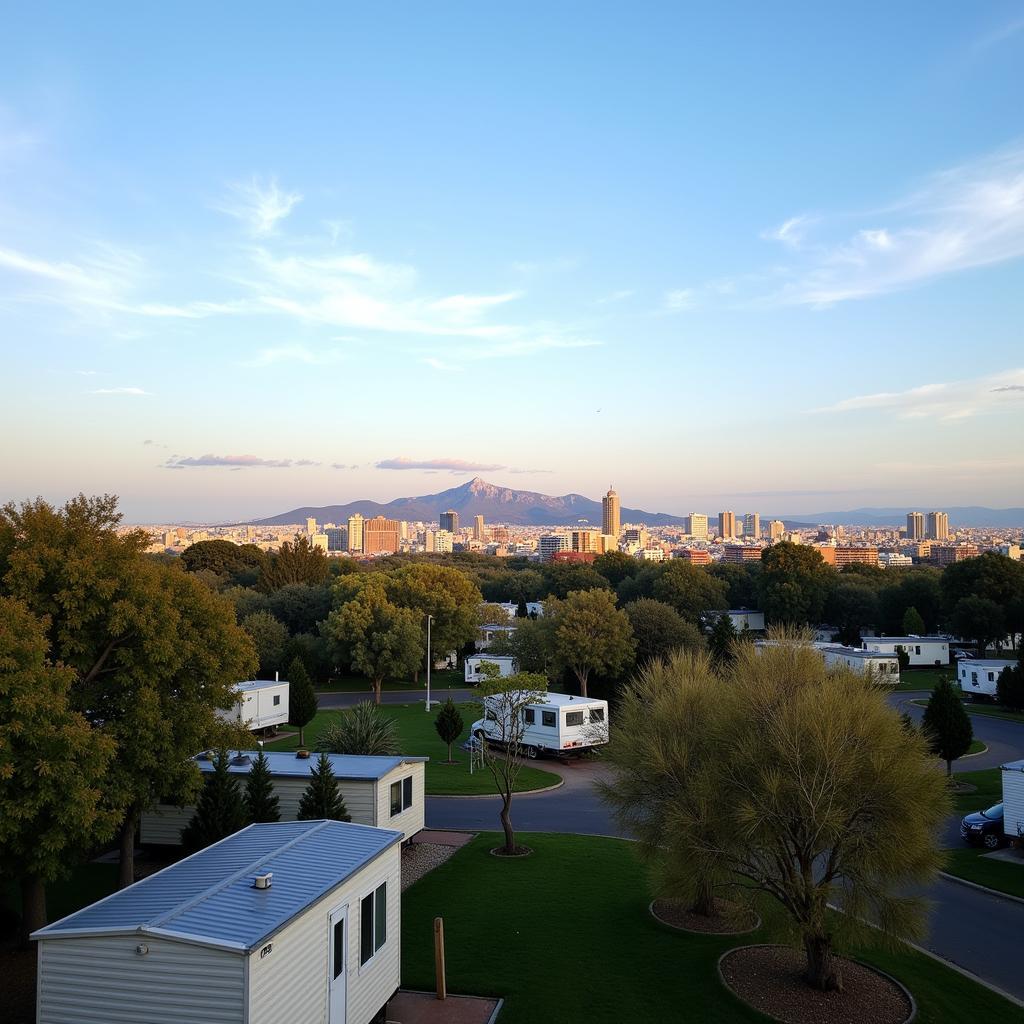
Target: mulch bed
729,918
520,851
768,978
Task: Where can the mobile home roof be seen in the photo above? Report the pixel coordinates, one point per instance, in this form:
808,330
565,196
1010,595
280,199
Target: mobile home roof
210,898
344,766
260,684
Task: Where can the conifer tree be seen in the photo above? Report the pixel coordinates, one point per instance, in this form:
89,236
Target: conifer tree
521,612
261,803
301,698
449,724
722,639
913,624
220,811
321,798
946,724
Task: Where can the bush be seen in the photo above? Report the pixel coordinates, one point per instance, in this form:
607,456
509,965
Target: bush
366,729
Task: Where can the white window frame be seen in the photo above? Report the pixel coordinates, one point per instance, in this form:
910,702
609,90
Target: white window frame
372,894
404,804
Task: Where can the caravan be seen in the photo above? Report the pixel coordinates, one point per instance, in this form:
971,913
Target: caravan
557,725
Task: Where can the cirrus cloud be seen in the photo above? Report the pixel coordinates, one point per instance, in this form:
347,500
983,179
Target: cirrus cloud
452,465
235,462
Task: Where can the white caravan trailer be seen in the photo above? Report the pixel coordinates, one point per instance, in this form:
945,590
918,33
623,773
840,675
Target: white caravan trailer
978,676
557,725
506,666
1013,798
921,650
883,668
262,704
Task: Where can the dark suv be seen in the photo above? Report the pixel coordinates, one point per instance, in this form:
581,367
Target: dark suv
985,827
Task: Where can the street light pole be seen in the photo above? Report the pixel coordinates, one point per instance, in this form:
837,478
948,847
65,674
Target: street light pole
430,618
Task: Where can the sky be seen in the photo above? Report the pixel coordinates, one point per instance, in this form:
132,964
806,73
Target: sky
767,257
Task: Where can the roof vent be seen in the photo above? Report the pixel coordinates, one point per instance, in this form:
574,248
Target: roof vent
241,759
263,881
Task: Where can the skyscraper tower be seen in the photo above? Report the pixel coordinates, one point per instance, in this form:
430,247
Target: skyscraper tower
752,525
449,521
915,526
478,528
355,533
610,514
727,525
937,526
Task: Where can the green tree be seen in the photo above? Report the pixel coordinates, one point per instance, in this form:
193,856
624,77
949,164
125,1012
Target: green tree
269,638
449,725
913,624
979,619
564,578
300,606
589,634
365,729
296,561
236,564
220,811
851,606
946,724
521,611
690,589
377,638
321,798
261,803
722,640
991,577
795,582
616,566
743,582
302,705
52,766
1010,685
531,644
918,588
659,629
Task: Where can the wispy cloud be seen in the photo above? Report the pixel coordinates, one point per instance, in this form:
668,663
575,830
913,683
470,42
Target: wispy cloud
790,232
235,461
953,400
997,36
678,300
120,391
296,354
259,205
451,465
965,217
617,296
440,364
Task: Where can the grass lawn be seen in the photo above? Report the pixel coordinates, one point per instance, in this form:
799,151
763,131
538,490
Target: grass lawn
86,884
968,862
568,938
924,678
990,790
976,747
989,710
443,680
418,736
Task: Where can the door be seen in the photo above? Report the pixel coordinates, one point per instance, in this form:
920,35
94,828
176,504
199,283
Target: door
338,961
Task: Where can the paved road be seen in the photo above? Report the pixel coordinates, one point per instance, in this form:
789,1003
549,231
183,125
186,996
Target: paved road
978,932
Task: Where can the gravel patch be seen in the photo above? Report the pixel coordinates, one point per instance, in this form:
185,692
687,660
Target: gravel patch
768,978
419,859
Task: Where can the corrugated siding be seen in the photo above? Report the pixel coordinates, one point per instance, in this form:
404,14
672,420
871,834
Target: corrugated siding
162,826
1013,802
291,983
102,980
409,822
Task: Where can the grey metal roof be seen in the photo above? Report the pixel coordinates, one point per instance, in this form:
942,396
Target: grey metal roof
344,766
260,684
209,897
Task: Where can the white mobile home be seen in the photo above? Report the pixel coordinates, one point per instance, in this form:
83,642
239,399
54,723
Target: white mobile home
1013,798
506,666
262,704
295,921
556,725
387,792
742,619
921,650
491,632
883,668
978,676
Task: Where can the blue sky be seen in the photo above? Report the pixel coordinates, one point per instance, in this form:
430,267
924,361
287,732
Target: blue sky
765,257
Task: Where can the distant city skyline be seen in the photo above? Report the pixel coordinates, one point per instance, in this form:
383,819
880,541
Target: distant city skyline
352,255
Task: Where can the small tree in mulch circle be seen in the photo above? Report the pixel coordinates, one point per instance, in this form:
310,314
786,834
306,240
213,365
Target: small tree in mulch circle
220,811
946,725
449,725
321,798
261,803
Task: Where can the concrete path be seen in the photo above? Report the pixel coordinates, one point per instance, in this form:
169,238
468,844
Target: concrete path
330,701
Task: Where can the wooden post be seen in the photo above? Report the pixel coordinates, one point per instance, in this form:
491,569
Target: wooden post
442,986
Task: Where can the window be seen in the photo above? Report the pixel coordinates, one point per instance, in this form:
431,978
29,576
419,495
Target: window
574,718
529,716
991,677
401,795
974,678
597,714
277,699
917,649
339,947
373,922
548,718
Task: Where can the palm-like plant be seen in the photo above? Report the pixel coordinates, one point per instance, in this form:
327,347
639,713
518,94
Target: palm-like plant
365,729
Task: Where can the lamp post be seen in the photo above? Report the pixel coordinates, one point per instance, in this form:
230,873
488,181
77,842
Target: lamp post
430,618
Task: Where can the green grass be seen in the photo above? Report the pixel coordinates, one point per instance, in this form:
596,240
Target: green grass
443,680
924,678
86,884
988,710
990,790
970,863
418,736
565,935
976,747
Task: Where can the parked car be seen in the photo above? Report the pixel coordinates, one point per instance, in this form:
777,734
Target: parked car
984,827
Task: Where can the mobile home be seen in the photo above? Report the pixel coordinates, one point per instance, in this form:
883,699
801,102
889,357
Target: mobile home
556,725
262,704
506,666
493,631
978,676
387,792
742,619
884,668
1013,798
921,650
294,921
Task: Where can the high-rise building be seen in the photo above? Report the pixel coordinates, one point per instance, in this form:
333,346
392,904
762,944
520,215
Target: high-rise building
737,554
611,521
695,556
449,521
337,538
727,525
310,526
355,533
550,544
697,526
776,530
380,536
585,541
609,542
319,540
937,526
636,535
752,525
915,526
478,528
444,541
